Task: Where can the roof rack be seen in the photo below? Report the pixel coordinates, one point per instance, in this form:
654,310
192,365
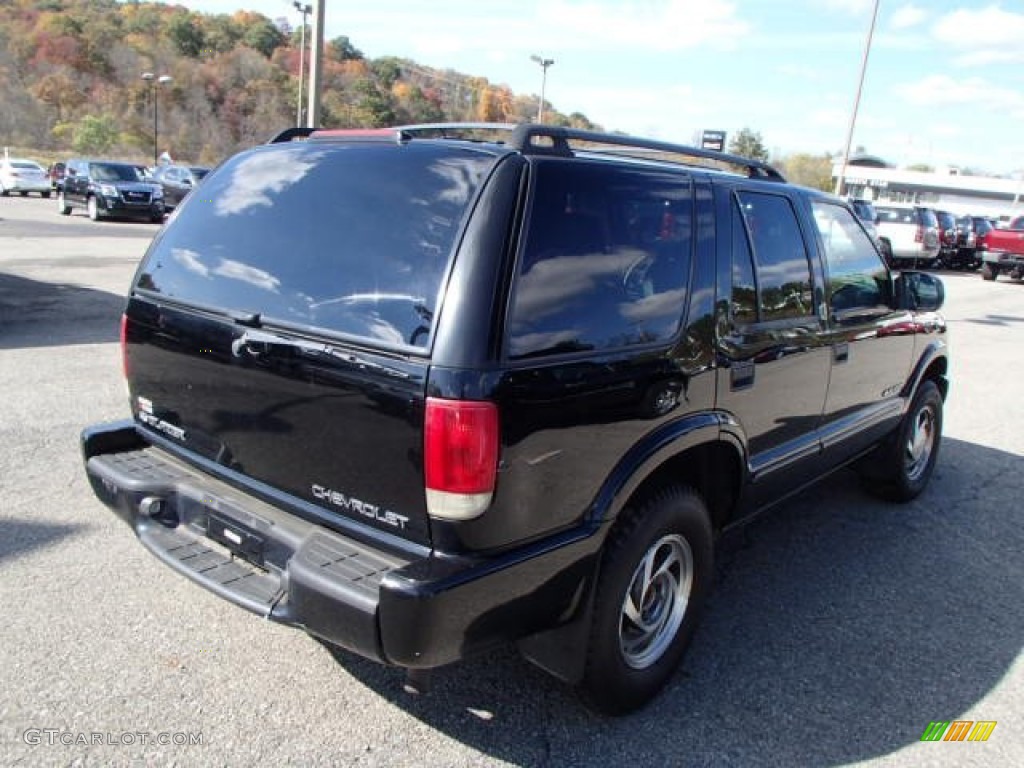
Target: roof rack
535,139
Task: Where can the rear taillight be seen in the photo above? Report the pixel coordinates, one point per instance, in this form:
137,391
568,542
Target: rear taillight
460,457
919,235
124,346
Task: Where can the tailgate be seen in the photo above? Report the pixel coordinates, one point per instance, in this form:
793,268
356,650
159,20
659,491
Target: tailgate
309,418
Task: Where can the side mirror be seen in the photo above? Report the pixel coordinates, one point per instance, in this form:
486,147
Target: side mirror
187,182
920,291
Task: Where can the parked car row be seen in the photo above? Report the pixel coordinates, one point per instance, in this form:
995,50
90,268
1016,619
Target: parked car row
108,188
911,235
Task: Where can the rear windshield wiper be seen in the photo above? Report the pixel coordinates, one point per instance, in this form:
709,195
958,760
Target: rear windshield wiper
255,342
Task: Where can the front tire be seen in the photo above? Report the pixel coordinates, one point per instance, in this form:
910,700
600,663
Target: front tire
988,272
901,467
656,571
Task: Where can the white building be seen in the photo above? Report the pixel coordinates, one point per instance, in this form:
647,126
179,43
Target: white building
946,189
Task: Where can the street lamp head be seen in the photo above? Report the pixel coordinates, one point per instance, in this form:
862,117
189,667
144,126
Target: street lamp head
303,7
545,63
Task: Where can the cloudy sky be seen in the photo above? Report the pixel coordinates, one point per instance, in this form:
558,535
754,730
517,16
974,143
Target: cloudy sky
944,83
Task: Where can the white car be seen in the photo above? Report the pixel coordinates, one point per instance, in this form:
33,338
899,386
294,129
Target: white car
912,232
23,176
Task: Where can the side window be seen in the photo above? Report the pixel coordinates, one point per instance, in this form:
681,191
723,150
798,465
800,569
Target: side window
605,259
744,288
783,272
857,278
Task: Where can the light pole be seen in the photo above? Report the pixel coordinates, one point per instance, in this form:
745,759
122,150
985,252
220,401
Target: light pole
153,81
305,10
544,64
856,101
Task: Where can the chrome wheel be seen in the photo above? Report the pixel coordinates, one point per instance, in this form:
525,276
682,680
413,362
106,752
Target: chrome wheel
656,601
920,443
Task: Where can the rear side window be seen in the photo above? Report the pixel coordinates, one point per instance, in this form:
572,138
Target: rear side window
767,243
352,239
605,262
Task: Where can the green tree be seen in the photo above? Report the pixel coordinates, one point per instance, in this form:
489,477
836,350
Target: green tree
95,135
387,69
373,108
263,36
186,34
748,143
341,49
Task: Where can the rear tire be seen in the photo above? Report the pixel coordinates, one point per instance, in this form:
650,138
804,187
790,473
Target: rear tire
62,207
656,571
988,272
93,208
45,194
901,467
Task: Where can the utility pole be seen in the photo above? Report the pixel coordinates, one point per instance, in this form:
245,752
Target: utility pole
316,58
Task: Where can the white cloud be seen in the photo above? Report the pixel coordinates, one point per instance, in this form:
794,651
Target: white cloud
984,29
908,16
964,94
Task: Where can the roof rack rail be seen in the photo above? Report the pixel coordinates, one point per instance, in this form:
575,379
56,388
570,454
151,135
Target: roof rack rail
556,138
536,139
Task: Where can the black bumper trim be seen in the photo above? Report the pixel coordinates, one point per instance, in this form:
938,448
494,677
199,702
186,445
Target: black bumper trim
415,612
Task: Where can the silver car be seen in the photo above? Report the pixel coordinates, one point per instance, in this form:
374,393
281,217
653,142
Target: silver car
912,232
23,176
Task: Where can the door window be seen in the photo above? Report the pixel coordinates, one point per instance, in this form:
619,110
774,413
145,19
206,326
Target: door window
771,271
857,278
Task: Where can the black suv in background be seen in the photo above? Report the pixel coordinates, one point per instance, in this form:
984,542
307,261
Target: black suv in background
421,392
178,181
108,188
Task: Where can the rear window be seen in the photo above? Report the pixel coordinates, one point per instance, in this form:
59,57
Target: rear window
351,239
896,215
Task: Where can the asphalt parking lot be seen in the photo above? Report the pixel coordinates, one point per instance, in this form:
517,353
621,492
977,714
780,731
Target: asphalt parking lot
838,629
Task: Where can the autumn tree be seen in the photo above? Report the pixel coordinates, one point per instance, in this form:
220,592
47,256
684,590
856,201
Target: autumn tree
809,170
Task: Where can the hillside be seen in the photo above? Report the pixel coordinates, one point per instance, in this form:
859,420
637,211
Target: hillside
70,80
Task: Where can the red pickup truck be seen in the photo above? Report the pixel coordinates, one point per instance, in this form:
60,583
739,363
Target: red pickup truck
1002,251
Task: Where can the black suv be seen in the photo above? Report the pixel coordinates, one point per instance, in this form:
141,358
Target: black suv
109,188
422,392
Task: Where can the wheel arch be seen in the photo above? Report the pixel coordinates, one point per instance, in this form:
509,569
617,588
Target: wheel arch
699,451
